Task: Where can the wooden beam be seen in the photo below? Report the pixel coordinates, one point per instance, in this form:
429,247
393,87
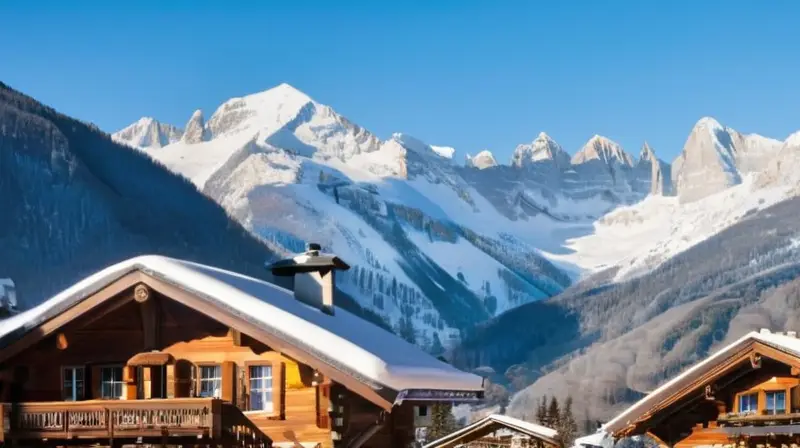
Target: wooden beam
151,321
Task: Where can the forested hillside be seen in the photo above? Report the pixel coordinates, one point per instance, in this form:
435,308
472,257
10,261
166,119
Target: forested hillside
73,201
616,341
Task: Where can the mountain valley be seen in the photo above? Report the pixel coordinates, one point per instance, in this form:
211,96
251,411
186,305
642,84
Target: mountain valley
595,270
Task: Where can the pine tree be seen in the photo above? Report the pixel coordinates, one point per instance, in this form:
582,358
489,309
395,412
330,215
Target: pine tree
541,411
443,422
436,346
407,330
553,414
588,425
567,428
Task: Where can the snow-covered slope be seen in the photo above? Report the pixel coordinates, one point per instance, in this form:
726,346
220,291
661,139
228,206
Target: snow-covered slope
437,246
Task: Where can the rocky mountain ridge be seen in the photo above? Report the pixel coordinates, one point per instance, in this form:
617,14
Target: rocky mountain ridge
417,223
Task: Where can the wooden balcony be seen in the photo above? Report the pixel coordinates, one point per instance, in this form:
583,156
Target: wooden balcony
758,419
162,420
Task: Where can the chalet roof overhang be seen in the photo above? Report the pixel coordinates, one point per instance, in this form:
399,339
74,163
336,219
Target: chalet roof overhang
699,382
121,287
492,423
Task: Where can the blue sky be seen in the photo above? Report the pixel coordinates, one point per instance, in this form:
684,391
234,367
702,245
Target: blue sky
469,74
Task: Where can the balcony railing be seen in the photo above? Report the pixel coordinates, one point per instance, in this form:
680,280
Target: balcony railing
107,419
755,418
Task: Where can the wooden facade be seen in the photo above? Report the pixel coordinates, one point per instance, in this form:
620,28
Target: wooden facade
141,361
748,398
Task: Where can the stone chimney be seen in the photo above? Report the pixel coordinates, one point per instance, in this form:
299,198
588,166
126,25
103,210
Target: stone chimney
314,276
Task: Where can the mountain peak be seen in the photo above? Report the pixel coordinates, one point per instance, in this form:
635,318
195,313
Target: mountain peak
482,160
603,149
285,91
195,129
543,148
647,154
147,132
710,123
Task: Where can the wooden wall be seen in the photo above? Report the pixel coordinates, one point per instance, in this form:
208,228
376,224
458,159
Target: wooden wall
114,334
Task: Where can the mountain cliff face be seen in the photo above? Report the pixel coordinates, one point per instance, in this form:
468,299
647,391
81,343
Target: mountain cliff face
195,130
716,157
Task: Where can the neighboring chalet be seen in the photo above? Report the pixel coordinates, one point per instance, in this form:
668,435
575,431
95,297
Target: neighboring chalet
161,351
495,431
746,394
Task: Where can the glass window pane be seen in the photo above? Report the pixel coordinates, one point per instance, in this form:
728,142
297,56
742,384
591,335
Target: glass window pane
256,402
68,375
79,373
79,390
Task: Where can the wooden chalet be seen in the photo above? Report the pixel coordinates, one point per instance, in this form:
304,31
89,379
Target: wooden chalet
745,395
496,431
162,351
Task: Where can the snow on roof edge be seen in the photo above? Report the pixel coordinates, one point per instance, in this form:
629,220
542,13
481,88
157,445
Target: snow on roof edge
776,340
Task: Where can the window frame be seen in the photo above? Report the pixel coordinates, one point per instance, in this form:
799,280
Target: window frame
263,390
775,393
199,378
75,395
121,381
277,388
752,410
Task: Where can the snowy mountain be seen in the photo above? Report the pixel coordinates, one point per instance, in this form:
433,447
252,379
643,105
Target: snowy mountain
149,133
421,230
82,202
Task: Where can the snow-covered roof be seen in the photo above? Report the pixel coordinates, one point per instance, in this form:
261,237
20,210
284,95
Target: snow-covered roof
342,340
490,423
599,438
780,341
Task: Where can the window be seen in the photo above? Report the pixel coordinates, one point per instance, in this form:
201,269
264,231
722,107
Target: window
261,388
111,384
73,383
423,411
748,403
211,381
776,402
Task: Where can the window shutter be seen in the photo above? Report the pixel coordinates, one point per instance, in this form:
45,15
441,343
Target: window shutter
96,382
183,377
228,381
129,377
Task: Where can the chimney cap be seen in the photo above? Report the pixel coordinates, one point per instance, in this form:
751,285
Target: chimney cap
310,261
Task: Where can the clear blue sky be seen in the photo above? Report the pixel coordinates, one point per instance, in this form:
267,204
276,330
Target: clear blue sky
469,74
